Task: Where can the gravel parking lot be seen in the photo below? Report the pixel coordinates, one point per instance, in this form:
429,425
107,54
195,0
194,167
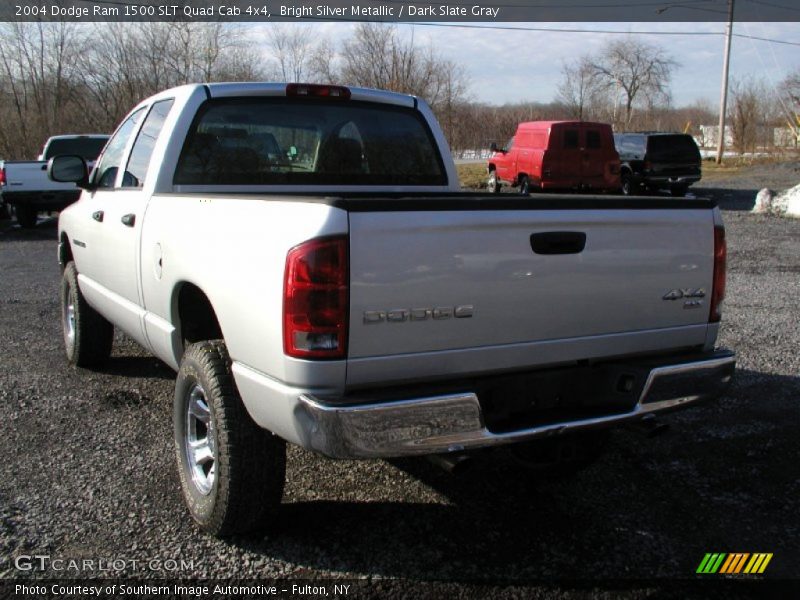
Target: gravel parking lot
88,460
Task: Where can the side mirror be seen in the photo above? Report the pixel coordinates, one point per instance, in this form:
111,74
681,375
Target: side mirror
69,169
493,147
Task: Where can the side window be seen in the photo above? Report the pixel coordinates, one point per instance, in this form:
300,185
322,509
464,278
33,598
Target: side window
142,149
106,171
570,138
593,138
509,144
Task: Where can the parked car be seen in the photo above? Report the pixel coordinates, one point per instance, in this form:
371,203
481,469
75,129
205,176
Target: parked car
24,183
556,155
361,306
654,160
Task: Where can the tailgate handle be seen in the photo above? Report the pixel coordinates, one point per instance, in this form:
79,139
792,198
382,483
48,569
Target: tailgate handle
558,242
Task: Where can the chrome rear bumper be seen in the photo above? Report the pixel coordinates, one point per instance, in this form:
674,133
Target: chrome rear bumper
454,422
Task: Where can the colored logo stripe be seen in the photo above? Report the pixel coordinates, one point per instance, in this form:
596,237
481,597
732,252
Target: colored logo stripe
711,563
758,563
734,563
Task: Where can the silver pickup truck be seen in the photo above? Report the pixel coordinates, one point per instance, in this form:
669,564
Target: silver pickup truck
303,257
24,184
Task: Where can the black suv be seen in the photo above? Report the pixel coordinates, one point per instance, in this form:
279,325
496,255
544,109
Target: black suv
653,161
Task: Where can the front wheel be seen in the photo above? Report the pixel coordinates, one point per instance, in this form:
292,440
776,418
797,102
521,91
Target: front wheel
232,472
524,185
88,336
493,184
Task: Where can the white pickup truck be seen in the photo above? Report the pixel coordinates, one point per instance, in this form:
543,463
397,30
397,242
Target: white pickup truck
303,257
24,183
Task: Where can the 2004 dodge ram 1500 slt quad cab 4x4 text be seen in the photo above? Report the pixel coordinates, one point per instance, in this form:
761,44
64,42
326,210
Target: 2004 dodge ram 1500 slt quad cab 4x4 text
303,257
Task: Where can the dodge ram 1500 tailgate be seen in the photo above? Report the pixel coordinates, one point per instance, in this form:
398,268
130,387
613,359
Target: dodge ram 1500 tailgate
473,285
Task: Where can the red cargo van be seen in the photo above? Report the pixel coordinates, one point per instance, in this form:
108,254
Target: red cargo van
557,155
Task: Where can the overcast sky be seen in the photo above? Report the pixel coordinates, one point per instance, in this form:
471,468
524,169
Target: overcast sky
516,66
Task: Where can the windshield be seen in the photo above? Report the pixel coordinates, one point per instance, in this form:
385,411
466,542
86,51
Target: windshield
672,148
297,141
87,147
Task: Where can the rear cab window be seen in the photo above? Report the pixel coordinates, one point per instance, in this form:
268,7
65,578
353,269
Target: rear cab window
87,148
673,148
280,141
630,146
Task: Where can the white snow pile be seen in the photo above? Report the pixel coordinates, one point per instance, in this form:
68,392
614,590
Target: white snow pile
786,203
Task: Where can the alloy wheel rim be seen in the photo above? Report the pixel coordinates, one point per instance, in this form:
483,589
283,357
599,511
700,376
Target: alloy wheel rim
199,440
69,317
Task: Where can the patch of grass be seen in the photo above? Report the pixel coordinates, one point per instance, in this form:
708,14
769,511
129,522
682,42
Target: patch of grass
472,176
711,170
732,166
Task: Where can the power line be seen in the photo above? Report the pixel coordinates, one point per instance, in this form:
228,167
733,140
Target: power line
602,31
763,39
773,5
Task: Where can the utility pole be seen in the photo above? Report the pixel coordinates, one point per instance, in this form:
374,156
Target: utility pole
724,94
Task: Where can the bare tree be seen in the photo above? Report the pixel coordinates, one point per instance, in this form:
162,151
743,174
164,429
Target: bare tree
37,62
376,56
746,117
578,87
72,78
636,70
322,63
791,89
292,48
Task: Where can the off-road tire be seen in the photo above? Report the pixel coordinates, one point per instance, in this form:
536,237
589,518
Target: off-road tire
249,463
88,336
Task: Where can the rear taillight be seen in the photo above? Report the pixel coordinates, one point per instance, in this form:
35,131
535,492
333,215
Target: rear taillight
647,165
718,291
2,176
316,298
318,91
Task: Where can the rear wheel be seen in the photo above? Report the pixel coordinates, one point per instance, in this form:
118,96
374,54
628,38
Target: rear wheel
87,335
524,185
232,472
26,216
629,188
493,184
678,191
